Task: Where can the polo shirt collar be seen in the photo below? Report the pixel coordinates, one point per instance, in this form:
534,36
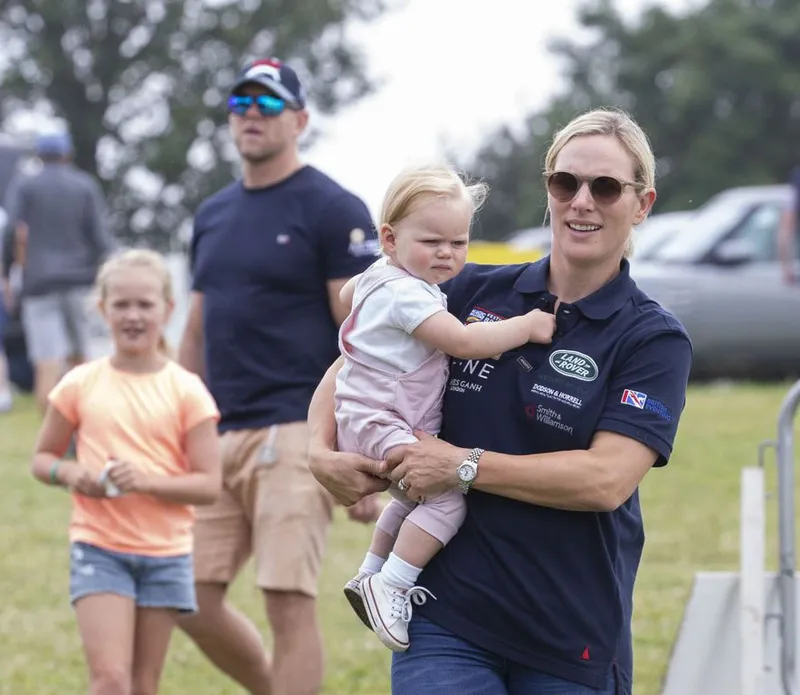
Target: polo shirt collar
599,305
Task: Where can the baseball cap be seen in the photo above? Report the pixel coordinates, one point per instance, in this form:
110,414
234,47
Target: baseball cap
54,144
275,76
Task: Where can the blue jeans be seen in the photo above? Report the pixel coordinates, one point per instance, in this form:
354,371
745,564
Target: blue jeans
152,582
439,663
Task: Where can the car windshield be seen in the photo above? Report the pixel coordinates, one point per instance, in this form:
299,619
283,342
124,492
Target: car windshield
657,231
693,239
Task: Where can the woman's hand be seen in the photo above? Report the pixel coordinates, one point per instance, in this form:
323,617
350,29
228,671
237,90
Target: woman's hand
80,480
426,468
348,477
128,477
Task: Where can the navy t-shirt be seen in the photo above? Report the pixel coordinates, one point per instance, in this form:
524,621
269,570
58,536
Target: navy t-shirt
548,588
262,258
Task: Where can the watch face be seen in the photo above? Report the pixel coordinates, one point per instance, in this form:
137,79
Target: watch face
466,471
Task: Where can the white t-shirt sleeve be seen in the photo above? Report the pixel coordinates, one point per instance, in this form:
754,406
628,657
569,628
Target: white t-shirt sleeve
412,302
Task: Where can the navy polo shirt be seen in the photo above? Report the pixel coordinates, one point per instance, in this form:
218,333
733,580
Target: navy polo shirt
548,588
262,258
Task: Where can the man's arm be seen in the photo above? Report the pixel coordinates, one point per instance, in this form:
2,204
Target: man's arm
192,348
339,307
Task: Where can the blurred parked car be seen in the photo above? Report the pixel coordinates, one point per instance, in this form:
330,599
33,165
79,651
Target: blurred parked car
720,275
647,237
536,240
656,231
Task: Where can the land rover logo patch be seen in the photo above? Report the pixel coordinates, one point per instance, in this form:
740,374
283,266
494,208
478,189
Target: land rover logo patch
574,364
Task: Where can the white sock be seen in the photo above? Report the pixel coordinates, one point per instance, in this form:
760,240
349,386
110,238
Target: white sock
398,572
372,564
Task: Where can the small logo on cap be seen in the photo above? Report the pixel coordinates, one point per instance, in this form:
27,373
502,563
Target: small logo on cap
269,69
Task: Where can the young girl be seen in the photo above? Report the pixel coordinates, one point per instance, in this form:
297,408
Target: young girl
396,342
131,528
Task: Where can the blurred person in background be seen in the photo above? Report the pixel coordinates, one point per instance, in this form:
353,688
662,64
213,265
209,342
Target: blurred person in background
6,309
58,219
534,594
270,254
20,370
789,230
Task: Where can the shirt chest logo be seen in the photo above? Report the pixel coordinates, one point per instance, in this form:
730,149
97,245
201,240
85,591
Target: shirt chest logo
480,315
574,364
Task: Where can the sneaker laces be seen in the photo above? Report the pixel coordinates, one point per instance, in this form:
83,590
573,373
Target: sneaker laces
402,603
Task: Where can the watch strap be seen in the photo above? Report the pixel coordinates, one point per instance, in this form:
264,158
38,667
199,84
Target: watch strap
473,458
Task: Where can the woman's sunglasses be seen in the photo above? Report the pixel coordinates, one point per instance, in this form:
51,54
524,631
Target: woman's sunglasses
606,190
267,105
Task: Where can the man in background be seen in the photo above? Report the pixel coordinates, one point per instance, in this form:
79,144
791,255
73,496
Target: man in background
270,253
59,237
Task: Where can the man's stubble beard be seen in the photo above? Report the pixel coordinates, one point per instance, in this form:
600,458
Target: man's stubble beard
256,158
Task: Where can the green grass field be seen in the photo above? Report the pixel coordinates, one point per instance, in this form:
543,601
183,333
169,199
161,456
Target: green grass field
691,514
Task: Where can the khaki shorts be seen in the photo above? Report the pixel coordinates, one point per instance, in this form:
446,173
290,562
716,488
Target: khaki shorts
271,507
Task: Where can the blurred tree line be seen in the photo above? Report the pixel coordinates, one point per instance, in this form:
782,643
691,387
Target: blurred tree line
716,88
142,85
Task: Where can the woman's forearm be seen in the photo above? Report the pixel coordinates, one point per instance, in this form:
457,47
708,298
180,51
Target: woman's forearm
572,480
321,418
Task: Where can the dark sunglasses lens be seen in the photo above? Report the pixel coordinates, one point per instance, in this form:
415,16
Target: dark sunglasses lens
562,186
606,190
269,106
239,105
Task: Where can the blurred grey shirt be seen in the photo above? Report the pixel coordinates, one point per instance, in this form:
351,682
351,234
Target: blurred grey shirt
68,236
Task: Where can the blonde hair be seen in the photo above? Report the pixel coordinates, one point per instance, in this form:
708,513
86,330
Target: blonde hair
412,186
620,125
138,258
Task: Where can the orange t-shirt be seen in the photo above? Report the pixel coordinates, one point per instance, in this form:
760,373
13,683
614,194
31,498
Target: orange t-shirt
143,419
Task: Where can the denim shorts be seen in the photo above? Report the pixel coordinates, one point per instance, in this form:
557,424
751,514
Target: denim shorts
152,582
441,663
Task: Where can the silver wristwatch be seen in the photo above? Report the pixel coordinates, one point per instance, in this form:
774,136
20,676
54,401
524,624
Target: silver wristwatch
468,470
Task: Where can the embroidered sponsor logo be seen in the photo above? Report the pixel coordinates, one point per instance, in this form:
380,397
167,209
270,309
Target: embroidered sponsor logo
549,417
470,371
641,401
557,395
574,364
360,245
635,398
479,314
462,386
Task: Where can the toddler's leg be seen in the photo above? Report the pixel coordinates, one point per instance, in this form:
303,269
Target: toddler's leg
388,527
383,539
389,594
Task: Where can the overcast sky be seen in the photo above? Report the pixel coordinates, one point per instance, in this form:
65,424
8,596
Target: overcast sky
452,70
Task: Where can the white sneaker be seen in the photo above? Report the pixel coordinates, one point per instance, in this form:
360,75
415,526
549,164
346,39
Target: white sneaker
352,592
389,609
6,400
